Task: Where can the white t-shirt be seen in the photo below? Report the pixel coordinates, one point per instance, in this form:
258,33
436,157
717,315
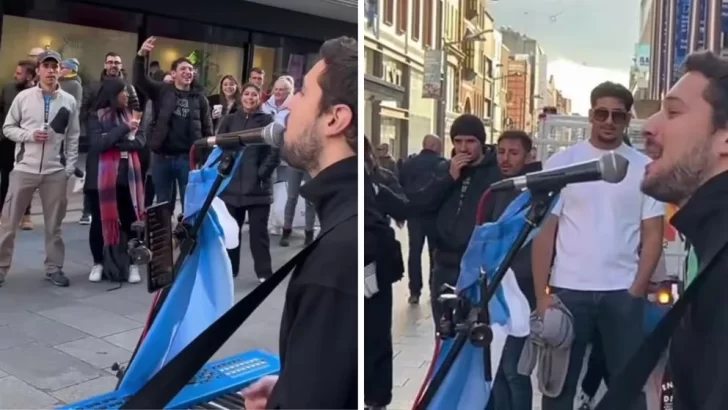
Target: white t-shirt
598,238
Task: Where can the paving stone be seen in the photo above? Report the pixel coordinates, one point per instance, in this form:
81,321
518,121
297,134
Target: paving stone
12,317
45,367
91,320
126,340
86,389
48,332
2,374
12,338
96,352
16,394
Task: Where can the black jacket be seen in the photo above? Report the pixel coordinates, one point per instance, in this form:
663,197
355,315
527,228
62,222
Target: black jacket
103,136
380,243
454,206
90,93
252,183
319,332
416,172
698,354
164,100
493,209
7,146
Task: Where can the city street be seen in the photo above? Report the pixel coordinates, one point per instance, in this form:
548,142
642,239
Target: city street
57,344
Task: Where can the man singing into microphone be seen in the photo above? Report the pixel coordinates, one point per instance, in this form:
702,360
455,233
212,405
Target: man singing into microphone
318,336
607,239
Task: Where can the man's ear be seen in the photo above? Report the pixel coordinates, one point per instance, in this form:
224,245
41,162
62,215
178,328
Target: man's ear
721,142
339,118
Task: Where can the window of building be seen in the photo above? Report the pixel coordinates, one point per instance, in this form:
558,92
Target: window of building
416,20
211,61
388,16
88,45
279,56
402,15
428,24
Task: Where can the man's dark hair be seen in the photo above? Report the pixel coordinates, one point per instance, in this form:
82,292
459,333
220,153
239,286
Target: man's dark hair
715,69
28,66
257,70
614,90
179,61
111,54
339,81
520,136
154,64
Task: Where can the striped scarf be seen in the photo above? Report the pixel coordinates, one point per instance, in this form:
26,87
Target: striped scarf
108,173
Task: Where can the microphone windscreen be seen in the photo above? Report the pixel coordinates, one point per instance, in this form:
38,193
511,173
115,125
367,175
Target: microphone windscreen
614,167
273,134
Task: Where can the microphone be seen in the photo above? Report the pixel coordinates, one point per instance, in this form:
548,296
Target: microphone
271,134
611,167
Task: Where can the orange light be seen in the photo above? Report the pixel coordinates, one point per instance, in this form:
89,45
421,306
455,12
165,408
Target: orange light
664,297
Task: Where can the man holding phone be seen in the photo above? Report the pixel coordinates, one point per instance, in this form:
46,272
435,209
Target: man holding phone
43,122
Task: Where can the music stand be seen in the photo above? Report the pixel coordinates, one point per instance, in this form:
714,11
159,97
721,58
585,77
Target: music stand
474,325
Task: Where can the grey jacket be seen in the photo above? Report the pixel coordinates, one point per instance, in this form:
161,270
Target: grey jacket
72,85
26,115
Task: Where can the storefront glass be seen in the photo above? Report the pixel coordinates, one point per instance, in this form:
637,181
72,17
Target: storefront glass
87,44
279,56
211,61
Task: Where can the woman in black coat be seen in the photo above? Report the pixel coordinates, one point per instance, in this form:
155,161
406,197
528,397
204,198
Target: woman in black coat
251,189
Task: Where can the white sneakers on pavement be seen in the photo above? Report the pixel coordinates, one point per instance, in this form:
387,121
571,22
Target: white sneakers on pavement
134,274
98,270
96,273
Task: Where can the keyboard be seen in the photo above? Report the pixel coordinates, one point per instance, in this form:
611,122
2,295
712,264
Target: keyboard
216,386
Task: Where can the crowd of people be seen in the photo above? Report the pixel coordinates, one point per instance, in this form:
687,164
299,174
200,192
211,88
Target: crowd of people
138,133
598,254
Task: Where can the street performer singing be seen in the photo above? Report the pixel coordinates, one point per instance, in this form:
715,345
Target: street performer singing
318,336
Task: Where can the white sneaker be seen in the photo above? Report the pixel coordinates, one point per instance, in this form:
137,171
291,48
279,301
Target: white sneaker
96,272
134,274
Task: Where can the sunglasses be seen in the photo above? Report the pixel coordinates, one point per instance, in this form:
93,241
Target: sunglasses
603,114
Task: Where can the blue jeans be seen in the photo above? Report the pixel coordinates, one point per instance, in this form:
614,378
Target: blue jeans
168,170
511,391
618,318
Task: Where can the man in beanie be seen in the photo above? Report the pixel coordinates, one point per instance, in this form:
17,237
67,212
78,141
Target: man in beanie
453,195
70,81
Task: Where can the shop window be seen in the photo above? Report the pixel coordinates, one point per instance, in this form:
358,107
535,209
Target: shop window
86,44
279,56
211,61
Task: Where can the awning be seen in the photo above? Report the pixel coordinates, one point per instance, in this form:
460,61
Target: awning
382,90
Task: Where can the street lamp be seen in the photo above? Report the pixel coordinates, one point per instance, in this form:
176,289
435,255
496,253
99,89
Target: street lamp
442,105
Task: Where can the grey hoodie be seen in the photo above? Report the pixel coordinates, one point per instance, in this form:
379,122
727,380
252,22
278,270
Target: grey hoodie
26,115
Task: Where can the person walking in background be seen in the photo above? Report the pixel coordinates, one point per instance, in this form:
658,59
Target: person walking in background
385,159
42,120
114,184
251,189
70,81
413,176
24,78
181,116
226,102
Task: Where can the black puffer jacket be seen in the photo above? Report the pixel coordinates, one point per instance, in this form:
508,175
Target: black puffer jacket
164,101
252,183
7,147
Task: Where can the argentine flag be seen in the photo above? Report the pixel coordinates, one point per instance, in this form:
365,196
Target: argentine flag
203,290
465,388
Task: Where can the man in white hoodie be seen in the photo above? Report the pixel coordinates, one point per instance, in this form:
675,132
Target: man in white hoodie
43,122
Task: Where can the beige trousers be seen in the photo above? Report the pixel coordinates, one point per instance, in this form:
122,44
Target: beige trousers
52,189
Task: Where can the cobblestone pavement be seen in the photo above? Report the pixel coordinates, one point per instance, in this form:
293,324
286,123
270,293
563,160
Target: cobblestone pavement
57,344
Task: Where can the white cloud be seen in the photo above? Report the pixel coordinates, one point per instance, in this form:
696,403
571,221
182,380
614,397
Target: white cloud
576,81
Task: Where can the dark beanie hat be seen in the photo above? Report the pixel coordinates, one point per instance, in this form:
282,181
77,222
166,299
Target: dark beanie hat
468,124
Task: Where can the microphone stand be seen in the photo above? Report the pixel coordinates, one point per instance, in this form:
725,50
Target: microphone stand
467,323
188,243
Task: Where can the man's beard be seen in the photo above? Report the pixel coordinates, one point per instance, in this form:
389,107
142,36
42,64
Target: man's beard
679,182
304,153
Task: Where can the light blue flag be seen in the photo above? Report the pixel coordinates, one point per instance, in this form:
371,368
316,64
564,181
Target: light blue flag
203,289
464,387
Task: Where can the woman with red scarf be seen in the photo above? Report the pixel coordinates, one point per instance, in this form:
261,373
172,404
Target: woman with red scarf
113,182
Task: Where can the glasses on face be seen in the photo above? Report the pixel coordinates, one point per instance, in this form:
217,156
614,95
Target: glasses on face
113,62
603,114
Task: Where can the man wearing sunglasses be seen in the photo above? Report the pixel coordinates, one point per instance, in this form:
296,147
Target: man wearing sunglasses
595,231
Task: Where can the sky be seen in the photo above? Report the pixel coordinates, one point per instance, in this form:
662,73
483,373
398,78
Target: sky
586,41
